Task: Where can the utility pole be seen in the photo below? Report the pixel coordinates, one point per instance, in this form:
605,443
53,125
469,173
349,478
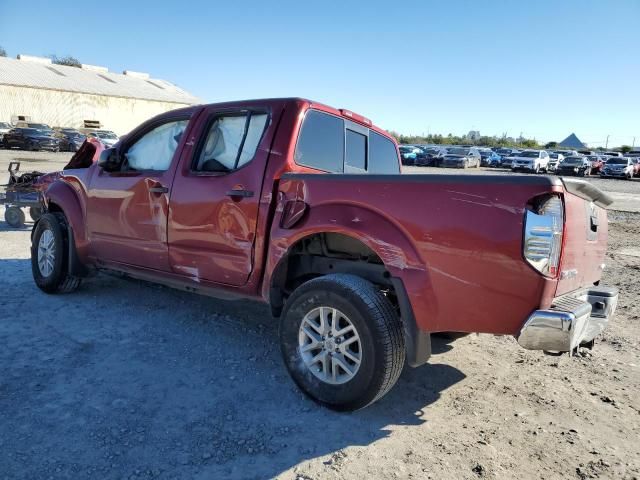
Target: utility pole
606,145
633,144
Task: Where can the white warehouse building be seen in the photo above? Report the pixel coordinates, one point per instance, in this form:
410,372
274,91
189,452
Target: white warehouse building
34,89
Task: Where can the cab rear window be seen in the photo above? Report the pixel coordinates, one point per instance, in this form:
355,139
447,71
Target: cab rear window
331,144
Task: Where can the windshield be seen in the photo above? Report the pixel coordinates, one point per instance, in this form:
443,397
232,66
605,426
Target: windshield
406,149
31,131
573,161
4,125
554,155
504,151
529,154
39,126
458,151
617,161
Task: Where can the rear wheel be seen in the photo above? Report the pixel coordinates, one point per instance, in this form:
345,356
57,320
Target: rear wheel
49,255
14,216
342,341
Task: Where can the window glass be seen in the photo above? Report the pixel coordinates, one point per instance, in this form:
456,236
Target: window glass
321,142
154,150
254,134
383,157
224,140
356,150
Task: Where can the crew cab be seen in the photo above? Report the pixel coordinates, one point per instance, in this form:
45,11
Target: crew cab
304,207
530,161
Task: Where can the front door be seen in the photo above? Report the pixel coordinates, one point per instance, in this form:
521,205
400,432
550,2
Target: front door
216,196
128,209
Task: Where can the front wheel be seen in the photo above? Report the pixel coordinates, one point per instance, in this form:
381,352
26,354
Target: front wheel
342,341
49,255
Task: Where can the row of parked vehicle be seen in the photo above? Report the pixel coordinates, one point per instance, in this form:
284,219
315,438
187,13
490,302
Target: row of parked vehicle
562,162
40,136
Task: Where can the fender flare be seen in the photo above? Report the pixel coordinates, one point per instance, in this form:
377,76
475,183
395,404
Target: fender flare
61,197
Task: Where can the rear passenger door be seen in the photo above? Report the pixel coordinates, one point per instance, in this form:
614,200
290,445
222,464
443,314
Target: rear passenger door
216,195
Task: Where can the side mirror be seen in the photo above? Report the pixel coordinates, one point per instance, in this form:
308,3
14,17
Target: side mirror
110,160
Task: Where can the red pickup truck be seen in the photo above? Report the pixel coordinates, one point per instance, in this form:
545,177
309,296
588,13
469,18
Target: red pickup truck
303,206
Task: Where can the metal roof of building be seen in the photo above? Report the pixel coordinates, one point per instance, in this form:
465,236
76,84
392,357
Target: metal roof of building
572,141
38,73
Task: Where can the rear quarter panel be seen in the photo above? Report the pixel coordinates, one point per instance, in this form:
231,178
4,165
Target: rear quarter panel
455,241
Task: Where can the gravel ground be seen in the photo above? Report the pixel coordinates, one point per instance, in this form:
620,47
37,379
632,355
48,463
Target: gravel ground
124,379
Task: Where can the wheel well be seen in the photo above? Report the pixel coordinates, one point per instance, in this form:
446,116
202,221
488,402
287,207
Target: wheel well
54,207
324,253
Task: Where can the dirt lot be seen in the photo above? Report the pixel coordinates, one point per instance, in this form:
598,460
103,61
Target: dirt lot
124,379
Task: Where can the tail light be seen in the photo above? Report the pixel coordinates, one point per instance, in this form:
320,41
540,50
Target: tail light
543,230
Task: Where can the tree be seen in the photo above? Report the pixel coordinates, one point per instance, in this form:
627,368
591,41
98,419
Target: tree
551,145
3,52
68,61
625,148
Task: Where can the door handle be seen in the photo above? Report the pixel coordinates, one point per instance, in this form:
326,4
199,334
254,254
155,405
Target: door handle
239,193
158,189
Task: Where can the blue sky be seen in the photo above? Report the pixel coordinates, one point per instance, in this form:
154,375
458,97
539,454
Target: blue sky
544,68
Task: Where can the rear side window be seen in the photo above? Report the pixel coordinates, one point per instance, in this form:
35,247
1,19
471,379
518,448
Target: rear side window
356,151
331,144
321,142
383,157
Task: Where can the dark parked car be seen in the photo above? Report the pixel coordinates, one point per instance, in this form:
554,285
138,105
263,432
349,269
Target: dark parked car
31,139
408,154
70,139
489,158
432,156
461,157
505,156
576,166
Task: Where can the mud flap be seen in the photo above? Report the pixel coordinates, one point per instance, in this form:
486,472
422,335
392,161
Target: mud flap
417,342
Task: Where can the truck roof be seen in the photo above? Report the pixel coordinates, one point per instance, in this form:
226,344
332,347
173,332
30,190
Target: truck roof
299,103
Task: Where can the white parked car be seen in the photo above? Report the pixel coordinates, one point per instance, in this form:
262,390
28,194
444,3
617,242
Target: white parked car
555,159
107,137
531,161
4,128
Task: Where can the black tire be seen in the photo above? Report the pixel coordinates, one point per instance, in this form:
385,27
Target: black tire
377,324
14,216
35,213
58,281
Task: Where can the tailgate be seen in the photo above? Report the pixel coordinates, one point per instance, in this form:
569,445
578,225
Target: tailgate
585,236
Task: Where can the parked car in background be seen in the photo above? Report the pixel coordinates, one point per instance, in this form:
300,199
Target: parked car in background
70,139
506,155
620,167
30,139
408,154
555,159
4,128
461,157
359,269
432,156
574,166
609,153
489,158
597,162
568,153
535,161
107,137
636,165
37,126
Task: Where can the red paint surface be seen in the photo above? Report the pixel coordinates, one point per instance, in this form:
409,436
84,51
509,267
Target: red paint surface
456,244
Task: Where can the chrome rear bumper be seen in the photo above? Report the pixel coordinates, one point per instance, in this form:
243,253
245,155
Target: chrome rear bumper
573,319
